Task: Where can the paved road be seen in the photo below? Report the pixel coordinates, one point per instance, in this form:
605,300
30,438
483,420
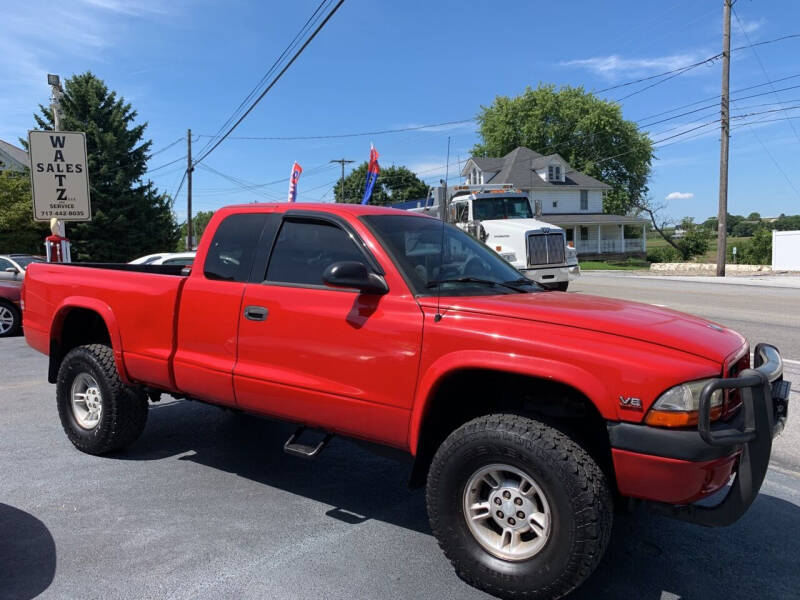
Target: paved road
205,505
766,313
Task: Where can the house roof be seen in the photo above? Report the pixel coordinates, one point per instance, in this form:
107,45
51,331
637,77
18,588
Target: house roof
593,219
517,168
16,154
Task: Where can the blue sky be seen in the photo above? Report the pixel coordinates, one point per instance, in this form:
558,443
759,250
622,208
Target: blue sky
385,65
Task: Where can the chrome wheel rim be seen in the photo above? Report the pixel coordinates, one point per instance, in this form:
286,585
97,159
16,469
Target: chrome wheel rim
6,319
507,512
87,401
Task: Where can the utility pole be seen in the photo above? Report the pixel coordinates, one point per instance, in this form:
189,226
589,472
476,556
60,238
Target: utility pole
189,169
54,81
343,162
722,217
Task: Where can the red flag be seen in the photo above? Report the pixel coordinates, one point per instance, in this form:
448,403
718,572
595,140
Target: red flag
296,170
372,174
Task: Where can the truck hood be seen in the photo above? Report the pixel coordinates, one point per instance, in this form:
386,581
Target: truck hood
643,322
509,226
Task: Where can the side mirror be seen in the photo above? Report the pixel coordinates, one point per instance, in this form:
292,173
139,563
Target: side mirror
353,274
12,270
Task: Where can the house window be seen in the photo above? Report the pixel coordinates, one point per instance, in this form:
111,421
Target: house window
554,172
584,200
555,203
475,177
584,234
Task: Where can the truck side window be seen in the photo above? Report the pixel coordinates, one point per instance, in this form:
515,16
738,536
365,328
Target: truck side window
304,249
230,256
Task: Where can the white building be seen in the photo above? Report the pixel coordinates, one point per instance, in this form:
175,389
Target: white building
13,158
786,250
569,199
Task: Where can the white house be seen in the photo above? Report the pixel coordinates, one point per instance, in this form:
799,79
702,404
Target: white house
569,199
13,158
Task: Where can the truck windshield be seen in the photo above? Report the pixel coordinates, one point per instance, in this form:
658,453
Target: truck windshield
431,258
486,209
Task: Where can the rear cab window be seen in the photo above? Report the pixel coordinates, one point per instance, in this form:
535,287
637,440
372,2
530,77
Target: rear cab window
234,247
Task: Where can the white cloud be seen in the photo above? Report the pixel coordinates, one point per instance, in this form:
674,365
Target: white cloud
29,49
680,195
751,26
614,66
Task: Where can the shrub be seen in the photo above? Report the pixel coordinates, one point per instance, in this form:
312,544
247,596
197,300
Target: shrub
758,249
663,254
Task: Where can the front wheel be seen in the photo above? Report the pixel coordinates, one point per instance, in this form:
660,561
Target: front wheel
99,413
520,509
10,320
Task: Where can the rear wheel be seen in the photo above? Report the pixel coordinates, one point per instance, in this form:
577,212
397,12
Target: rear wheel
99,413
10,319
519,508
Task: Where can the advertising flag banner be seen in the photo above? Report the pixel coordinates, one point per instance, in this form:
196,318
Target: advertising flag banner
296,170
372,174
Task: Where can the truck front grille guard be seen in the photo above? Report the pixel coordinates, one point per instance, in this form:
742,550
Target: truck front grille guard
765,397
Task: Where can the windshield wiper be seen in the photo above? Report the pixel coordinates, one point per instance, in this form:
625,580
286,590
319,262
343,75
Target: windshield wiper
508,285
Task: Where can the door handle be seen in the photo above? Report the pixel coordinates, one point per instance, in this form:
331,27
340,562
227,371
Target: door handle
256,313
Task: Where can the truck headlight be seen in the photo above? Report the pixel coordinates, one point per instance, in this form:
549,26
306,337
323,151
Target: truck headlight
509,256
678,406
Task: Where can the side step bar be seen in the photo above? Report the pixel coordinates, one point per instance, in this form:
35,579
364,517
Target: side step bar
296,448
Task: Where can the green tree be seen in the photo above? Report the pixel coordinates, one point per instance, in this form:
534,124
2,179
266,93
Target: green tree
754,216
589,133
199,222
695,241
394,184
786,223
758,249
18,231
745,228
130,217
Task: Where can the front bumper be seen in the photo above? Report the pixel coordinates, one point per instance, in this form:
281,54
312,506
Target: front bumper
574,272
547,275
674,468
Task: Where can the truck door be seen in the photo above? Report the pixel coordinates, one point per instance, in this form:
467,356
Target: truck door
326,357
210,306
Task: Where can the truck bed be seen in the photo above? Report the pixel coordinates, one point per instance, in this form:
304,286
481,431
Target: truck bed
139,302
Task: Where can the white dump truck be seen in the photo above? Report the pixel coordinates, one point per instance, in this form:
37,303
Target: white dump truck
504,219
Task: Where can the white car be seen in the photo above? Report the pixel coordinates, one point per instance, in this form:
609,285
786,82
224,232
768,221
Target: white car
12,266
165,258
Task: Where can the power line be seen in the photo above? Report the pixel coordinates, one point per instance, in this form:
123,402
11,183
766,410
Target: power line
172,162
350,135
266,75
761,64
708,99
240,183
272,83
180,185
680,70
165,148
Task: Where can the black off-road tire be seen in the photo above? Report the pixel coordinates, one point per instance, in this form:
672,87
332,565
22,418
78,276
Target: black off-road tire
574,485
16,319
124,408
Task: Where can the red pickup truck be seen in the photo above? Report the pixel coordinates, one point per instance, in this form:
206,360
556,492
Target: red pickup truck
529,413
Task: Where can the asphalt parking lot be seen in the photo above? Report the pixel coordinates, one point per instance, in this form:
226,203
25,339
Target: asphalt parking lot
206,505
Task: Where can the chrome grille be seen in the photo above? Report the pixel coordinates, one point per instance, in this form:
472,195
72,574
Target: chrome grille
545,249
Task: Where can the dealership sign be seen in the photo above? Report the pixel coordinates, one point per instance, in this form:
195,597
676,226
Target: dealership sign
59,175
